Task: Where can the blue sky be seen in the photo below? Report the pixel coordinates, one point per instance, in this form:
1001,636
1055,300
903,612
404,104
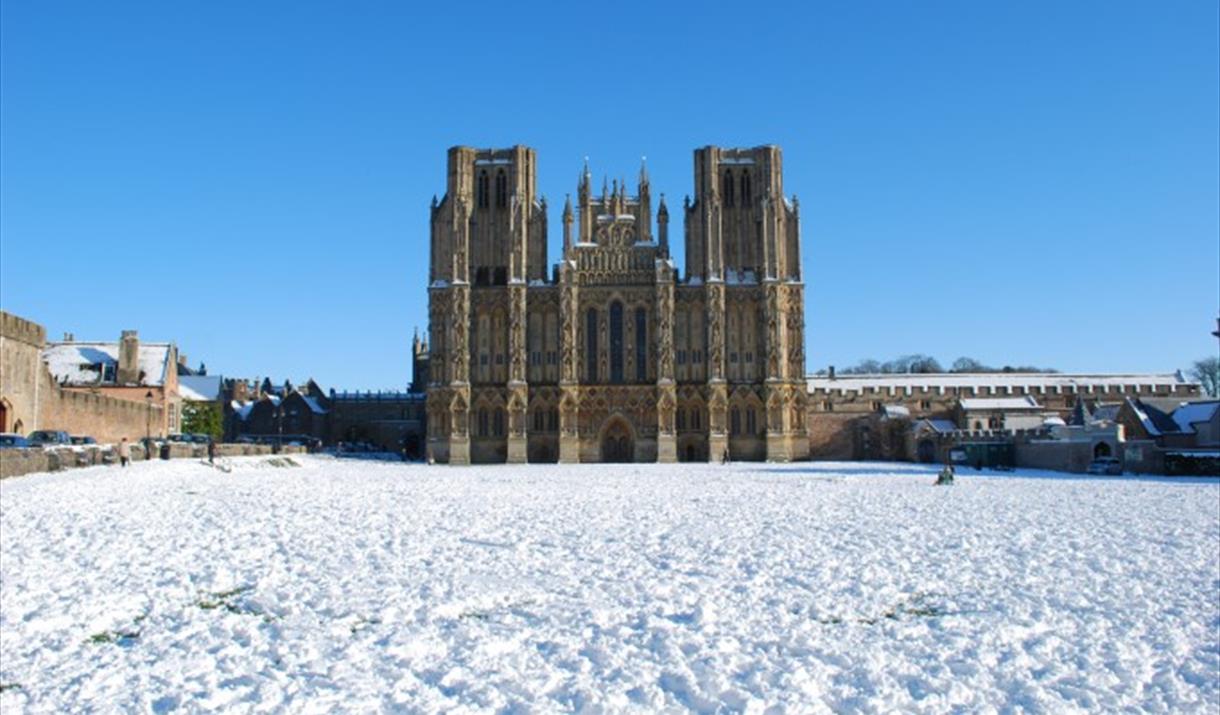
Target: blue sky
1033,182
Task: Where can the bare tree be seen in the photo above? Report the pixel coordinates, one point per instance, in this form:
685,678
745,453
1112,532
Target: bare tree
1207,373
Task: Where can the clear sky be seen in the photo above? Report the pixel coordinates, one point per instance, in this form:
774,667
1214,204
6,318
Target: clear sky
1022,182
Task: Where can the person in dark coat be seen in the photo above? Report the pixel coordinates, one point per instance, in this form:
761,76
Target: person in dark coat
211,451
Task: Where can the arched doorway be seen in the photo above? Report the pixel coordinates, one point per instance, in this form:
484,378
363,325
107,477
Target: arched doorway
617,443
927,451
3,415
1101,449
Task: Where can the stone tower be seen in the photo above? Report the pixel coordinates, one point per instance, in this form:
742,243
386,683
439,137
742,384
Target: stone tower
488,242
743,246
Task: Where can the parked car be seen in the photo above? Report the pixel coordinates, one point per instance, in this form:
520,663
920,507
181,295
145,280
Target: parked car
49,438
9,440
200,438
81,439
1105,465
180,438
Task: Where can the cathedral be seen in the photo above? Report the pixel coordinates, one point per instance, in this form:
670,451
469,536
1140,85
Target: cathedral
613,355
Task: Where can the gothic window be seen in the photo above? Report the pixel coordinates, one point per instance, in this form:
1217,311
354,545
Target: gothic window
501,190
482,423
745,188
591,345
728,189
499,423
681,418
482,190
696,418
641,345
539,420
734,421
481,276
616,342
751,421
553,421
501,276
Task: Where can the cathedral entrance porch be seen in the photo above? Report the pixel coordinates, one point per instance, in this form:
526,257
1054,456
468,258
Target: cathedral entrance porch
617,442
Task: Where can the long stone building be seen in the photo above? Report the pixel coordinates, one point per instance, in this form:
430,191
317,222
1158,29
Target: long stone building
612,354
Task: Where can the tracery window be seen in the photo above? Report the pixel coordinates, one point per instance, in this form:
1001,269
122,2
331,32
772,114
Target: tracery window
728,189
616,342
501,190
591,345
481,190
641,345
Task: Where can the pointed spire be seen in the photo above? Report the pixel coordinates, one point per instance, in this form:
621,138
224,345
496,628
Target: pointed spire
605,185
567,207
662,210
643,170
434,201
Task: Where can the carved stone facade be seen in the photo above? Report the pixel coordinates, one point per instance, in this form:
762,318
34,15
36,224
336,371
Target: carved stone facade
613,356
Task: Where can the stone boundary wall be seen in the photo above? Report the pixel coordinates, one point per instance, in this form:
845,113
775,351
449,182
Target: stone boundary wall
104,418
16,462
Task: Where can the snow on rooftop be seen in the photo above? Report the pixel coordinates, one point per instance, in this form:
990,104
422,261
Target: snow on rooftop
78,363
312,403
199,388
931,381
1000,403
1192,413
812,587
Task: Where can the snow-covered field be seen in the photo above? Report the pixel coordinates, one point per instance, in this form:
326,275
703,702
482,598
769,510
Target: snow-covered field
359,586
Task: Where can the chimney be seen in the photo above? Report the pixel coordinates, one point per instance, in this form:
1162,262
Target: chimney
129,358
69,338
832,372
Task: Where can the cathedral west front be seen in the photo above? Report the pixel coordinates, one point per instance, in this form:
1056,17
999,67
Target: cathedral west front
613,354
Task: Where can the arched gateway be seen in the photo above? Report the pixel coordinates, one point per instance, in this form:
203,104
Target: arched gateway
618,445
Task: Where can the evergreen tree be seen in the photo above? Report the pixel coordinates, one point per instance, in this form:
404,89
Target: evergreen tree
203,418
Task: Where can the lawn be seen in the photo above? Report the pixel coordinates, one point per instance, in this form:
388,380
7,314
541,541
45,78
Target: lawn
319,584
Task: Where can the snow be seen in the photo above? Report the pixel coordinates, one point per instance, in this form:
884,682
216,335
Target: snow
1192,413
199,388
368,586
74,363
1063,382
1000,403
313,404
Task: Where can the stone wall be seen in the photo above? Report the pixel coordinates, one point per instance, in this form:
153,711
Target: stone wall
17,462
21,344
32,400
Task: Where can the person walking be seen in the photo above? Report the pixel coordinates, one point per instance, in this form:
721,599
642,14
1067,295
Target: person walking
124,453
211,451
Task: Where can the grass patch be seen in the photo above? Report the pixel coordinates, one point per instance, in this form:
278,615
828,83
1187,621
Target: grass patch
119,637
230,601
363,623
921,605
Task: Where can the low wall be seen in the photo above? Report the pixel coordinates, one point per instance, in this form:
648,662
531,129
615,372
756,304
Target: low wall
1059,456
16,462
